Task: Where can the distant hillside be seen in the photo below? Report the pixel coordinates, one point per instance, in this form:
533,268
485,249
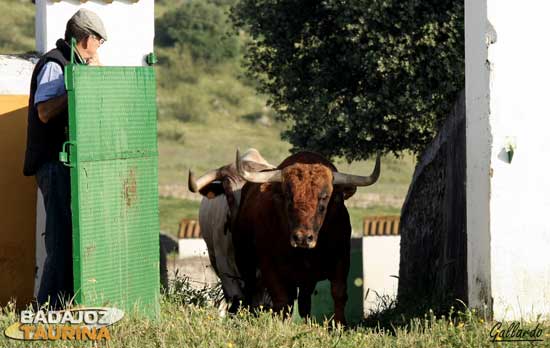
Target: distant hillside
16,26
207,107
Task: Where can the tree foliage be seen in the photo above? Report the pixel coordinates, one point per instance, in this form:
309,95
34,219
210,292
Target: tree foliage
202,28
356,77
16,27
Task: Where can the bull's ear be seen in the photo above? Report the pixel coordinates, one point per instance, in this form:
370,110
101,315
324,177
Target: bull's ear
212,190
273,187
348,191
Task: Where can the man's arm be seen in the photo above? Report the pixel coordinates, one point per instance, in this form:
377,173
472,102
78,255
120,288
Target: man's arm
50,109
50,98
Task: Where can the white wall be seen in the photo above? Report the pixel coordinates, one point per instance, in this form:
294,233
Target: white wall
478,154
130,28
16,75
380,265
508,202
192,247
520,190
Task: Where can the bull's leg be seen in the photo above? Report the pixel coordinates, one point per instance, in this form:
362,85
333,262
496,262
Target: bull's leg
304,300
246,263
292,291
338,287
339,295
279,292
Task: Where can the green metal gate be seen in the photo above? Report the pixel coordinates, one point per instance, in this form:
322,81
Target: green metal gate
113,155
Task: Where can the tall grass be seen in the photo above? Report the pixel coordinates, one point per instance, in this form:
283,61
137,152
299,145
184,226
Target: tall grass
184,325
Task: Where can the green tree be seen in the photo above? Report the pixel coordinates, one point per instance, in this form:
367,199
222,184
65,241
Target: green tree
202,28
356,77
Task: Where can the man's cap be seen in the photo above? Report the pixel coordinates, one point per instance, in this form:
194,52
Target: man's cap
89,21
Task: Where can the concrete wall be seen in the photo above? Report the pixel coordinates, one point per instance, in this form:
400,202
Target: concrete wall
432,227
16,74
130,28
506,103
520,189
380,270
192,247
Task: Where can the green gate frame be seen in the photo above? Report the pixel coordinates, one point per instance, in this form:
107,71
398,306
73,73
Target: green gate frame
113,156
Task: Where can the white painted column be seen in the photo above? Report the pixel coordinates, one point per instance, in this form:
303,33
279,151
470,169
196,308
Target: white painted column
478,154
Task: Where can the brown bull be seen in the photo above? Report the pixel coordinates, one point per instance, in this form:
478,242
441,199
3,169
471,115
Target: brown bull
293,224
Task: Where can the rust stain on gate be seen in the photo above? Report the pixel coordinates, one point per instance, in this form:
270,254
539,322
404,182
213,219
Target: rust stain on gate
130,190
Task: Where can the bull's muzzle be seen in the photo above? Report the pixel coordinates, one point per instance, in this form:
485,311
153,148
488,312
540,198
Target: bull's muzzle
303,239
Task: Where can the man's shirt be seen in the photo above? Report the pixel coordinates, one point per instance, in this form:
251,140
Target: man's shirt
51,83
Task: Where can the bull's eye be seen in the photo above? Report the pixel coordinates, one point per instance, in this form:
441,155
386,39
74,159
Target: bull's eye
321,208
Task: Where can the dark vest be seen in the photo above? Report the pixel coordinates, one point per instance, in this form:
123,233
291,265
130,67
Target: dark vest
44,140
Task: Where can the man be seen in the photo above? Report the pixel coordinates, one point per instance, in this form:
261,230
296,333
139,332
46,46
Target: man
46,132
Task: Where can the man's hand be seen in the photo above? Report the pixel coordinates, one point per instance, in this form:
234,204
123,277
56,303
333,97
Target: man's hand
50,109
93,61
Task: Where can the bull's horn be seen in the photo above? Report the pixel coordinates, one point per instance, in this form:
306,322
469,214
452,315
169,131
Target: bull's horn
257,177
357,180
198,184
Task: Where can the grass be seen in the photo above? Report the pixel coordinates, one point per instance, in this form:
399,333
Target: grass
183,325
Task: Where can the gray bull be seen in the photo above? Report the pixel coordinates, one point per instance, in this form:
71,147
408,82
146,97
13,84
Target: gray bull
221,191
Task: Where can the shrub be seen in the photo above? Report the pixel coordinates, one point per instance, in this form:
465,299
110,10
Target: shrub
200,26
356,77
17,27
181,291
